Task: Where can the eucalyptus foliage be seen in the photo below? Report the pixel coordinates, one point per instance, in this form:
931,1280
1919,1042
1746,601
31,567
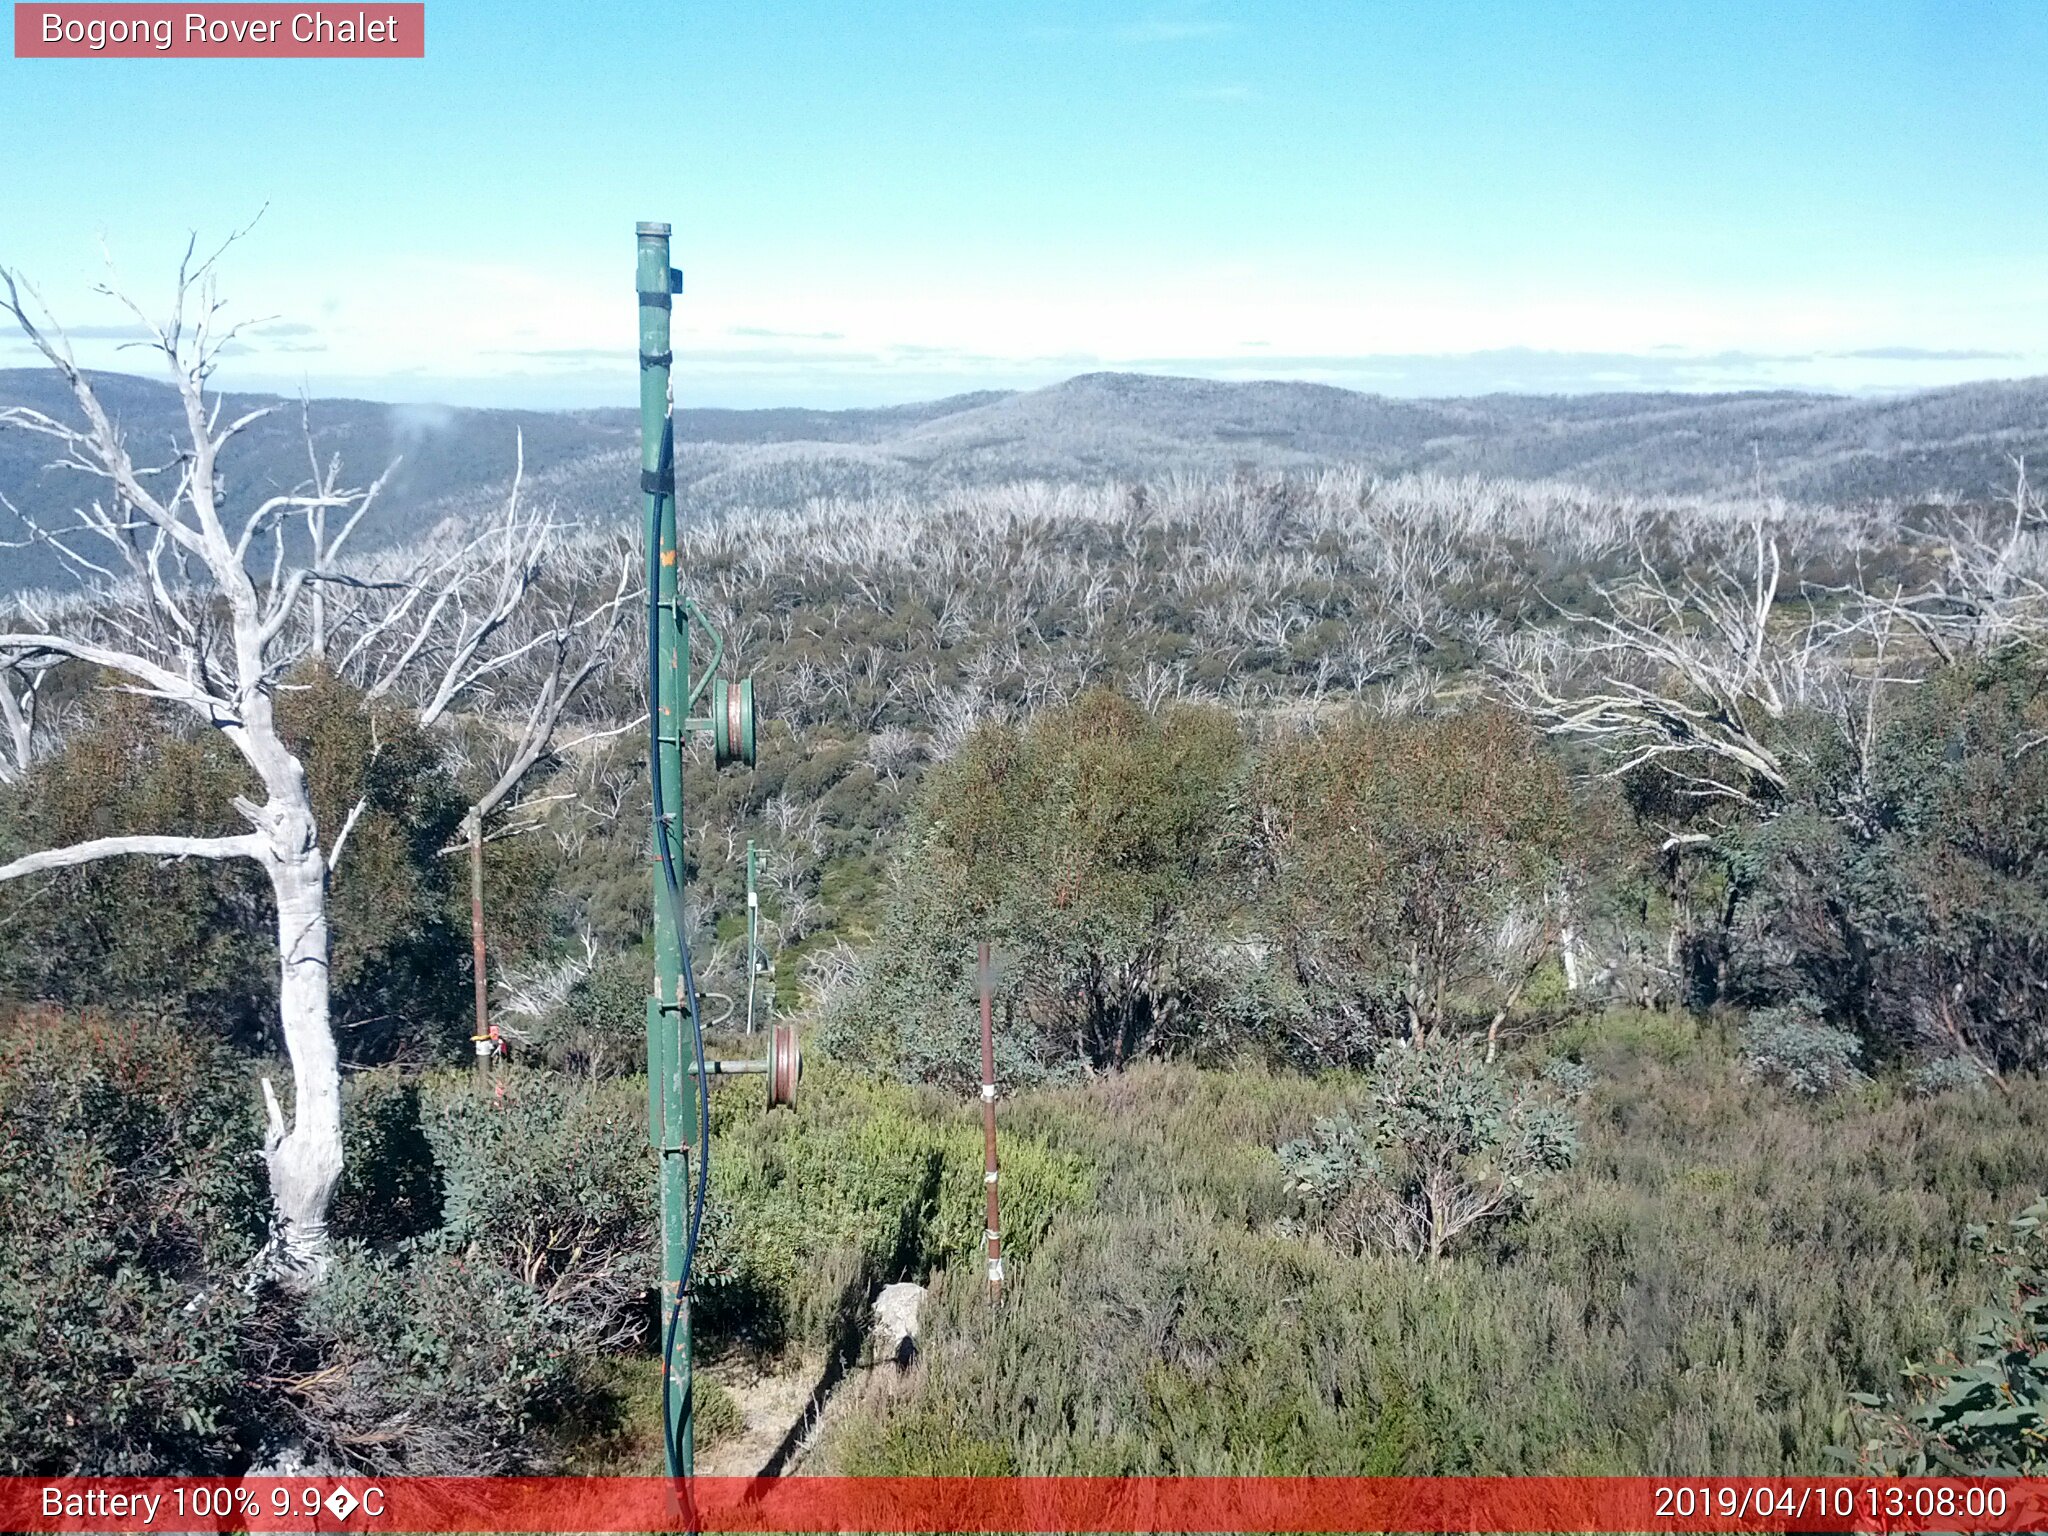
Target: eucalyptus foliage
98,935
1905,888
436,1362
1411,871
516,1246
1948,1074
131,1200
1792,1048
1443,1141
1983,1411
1093,848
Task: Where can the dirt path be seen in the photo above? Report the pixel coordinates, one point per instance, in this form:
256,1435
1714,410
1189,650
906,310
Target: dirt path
774,1407
789,1413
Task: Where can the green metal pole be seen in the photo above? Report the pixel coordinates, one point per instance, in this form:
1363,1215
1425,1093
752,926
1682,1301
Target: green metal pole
671,1087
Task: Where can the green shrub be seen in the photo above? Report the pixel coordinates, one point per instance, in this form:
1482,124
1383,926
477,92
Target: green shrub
1714,1274
1573,1080
1984,1411
551,1181
866,1182
438,1363
131,1199
462,1348
1093,849
714,1412
97,934
911,1012
601,1027
1397,854
932,1441
398,907
390,1187
1947,1074
1790,1048
1443,1141
1630,1034
1908,893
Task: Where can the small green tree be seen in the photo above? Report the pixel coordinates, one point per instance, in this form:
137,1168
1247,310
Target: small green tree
601,1027
1444,1141
96,933
1905,888
1094,848
395,903
1411,868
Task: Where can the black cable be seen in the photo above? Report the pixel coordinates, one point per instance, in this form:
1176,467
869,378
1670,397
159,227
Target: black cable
672,891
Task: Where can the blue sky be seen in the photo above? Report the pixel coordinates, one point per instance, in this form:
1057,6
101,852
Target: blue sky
885,201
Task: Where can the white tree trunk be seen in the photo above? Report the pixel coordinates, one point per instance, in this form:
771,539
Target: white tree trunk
168,569
305,1160
18,714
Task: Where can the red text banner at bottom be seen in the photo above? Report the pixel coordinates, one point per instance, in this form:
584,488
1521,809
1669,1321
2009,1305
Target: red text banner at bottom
1053,1504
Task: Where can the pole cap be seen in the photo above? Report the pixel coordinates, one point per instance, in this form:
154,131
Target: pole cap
653,229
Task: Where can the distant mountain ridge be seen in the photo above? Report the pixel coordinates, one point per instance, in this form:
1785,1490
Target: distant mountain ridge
453,461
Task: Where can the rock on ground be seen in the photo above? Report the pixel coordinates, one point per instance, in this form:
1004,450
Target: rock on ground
893,1333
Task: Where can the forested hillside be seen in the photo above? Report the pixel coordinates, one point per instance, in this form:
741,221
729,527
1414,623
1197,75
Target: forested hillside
1953,443
1495,976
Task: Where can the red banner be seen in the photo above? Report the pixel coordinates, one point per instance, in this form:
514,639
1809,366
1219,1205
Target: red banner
1063,1504
373,30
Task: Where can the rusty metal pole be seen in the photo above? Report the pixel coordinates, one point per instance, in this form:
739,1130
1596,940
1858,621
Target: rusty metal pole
753,936
485,1046
994,1232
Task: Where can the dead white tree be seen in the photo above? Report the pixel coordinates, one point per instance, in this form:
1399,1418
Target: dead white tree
1992,590
22,680
514,620
1689,677
196,606
1683,674
583,640
430,625
328,539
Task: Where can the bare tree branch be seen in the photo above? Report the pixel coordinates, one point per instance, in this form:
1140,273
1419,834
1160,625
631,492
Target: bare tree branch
1687,674
246,846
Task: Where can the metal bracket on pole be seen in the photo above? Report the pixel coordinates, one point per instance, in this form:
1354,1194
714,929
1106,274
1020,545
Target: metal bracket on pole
782,1067
730,724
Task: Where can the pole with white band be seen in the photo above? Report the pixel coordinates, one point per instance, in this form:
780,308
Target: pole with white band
994,1231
